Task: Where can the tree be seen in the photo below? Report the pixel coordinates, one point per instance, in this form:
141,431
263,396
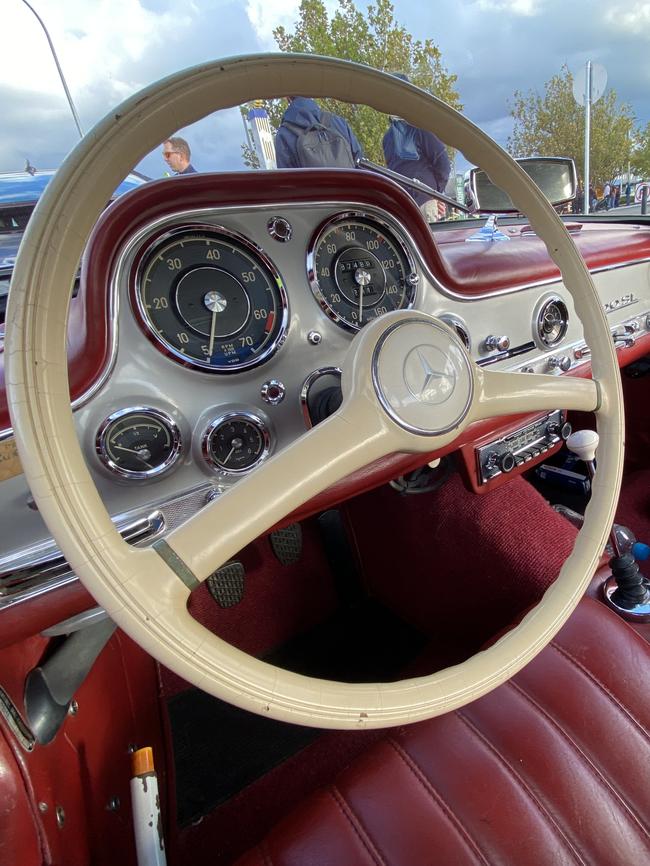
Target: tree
640,159
554,125
375,39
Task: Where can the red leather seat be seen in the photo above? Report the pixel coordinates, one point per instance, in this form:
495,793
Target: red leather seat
551,768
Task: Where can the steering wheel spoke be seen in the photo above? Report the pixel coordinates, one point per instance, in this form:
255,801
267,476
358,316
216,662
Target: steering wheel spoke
499,393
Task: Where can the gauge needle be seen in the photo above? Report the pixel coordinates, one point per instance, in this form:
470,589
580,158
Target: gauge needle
213,327
236,444
133,451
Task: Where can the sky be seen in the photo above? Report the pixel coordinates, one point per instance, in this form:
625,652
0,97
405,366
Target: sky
109,49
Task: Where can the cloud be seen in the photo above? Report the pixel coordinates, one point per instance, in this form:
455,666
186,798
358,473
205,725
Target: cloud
514,7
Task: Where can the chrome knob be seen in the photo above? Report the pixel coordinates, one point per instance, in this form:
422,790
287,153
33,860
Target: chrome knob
559,362
500,343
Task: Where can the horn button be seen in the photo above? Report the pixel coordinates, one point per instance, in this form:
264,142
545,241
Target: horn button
423,376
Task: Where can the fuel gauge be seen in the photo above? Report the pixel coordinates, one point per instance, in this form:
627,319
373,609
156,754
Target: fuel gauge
138,442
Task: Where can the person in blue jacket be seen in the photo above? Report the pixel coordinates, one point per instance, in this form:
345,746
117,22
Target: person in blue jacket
304,113
416,153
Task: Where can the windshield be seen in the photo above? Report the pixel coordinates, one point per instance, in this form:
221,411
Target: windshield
525,84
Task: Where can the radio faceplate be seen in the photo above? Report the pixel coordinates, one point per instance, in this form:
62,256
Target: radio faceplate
521,446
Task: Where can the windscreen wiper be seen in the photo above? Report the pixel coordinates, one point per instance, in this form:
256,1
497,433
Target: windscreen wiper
362,162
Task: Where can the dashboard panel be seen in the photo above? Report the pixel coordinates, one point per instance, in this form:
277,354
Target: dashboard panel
215,314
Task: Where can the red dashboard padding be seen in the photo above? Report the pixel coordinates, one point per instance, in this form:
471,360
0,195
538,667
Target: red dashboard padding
550,768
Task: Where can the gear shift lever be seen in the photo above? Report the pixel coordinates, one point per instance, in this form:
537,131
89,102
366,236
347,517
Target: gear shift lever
626,591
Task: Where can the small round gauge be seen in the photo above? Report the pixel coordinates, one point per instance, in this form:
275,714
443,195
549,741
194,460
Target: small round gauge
552,322
236,442
138,442
359,270
210,299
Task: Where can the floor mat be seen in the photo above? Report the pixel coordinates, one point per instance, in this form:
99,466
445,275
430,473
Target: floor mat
219,749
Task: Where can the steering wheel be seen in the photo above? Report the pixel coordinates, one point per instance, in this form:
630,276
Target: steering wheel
408,384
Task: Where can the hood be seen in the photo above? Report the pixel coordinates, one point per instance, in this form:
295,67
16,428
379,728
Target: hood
303,112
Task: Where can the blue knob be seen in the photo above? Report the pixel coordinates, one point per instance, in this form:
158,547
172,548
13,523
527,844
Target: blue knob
641,551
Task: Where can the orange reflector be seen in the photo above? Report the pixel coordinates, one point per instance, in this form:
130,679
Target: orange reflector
142,761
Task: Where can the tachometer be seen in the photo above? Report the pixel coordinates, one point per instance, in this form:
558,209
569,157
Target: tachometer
359,269
211,299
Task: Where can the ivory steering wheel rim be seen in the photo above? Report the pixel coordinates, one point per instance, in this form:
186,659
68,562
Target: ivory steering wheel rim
145,590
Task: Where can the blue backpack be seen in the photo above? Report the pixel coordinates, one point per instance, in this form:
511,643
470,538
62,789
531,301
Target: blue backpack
404,139
321,145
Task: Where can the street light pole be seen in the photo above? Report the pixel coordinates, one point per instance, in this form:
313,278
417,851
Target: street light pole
60,71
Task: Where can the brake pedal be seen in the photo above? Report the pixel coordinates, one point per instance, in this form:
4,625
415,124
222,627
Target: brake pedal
287,544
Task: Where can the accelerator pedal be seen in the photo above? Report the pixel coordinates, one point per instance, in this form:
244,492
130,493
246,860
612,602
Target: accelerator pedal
226,585
287,544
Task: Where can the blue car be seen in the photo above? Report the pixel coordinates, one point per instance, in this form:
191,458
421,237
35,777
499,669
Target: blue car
19,193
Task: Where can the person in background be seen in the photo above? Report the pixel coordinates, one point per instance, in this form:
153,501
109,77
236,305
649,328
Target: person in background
418,154
607,192
310,137
176,153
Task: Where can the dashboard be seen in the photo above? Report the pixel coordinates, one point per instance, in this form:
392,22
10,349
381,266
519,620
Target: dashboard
215,313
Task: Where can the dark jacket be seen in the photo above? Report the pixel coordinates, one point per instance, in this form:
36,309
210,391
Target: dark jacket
305,112
416,153
189,170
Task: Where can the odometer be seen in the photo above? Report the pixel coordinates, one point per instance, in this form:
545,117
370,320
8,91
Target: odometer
358,269
211,299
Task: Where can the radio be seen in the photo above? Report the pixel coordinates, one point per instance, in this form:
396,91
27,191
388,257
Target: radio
522,446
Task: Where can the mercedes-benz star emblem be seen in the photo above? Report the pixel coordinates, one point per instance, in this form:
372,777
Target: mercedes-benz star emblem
428,376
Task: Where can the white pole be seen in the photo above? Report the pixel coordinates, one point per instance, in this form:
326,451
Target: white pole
587,203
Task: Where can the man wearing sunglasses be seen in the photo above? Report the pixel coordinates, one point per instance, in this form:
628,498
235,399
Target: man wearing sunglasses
176,153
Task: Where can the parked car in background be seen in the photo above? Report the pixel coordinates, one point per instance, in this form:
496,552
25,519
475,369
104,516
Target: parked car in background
19,193
286,499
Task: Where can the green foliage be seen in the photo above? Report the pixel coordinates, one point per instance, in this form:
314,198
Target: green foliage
640,160
554,125
373,37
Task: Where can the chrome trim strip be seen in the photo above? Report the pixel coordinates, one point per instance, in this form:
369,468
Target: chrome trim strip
31,573
15,722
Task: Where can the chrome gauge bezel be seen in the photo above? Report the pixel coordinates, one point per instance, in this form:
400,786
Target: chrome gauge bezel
158,415
543,304
148,250
411,278
459,327
239,415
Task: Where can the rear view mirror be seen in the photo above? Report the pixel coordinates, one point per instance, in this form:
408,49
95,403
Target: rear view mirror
554,175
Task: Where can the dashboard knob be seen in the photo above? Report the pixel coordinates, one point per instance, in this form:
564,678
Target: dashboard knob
500,343
507,462
559,362
561,430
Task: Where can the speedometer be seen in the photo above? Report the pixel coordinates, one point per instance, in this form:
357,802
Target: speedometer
210,299
359,269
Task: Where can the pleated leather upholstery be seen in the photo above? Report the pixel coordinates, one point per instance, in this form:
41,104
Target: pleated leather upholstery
551,768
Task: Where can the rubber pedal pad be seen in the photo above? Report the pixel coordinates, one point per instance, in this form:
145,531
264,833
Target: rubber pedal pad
226,585
287,543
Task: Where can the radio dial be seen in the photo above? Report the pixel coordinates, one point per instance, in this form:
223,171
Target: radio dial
507,462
